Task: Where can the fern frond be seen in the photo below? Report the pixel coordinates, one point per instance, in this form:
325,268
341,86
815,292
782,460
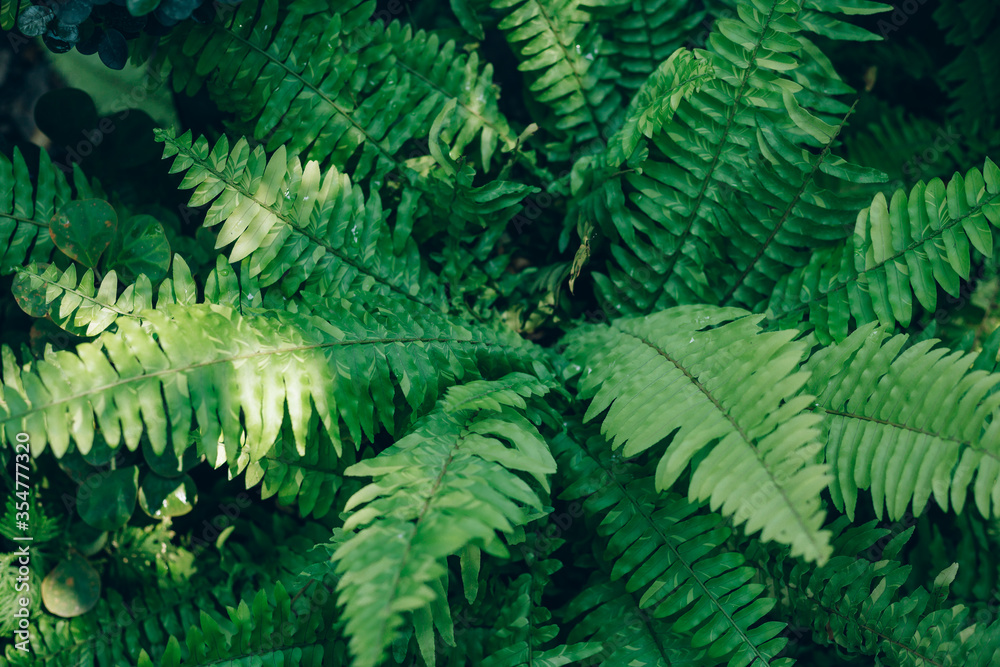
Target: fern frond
525,625
726,196
310,479
598,186
80,306
25,210
907,424
556,44
900,249
974,27
611,615
674,555
729,394
655,103
446,485
297,227
645,35
332,85
113,633
237,375
76,308
264,630
857,604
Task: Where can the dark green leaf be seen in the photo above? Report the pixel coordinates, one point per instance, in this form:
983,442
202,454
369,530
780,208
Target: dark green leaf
139,247
84,229
108,503
160,497
68,117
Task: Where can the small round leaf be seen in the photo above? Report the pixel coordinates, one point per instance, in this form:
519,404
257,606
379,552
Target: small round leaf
108,503
84,229
72,588
112,49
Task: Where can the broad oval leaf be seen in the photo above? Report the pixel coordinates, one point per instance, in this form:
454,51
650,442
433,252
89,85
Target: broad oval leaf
72,588
84,229
108,503
140,247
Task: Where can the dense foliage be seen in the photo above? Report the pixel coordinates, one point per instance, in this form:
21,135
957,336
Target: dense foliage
508,332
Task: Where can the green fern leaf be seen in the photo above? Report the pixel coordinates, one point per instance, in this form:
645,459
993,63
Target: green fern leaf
644,36
330,84
858,605
907,424
525,627
731,395
237,375
74,305
726,197
447,484
672,554
25,211
556,44
262,630
900,249
297,227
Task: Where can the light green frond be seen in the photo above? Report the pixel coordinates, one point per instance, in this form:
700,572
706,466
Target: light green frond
907,424
80,306
448,484
900,249
298,227
237,375
727,399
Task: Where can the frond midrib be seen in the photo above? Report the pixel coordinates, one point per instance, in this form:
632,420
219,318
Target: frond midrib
317,91
804,528
190,154
230,359
917,654
905,427
935,233
787,212
91,299
566,56
717,156
688,566
381,632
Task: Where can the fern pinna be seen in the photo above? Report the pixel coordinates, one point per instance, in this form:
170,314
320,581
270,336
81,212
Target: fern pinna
508,332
